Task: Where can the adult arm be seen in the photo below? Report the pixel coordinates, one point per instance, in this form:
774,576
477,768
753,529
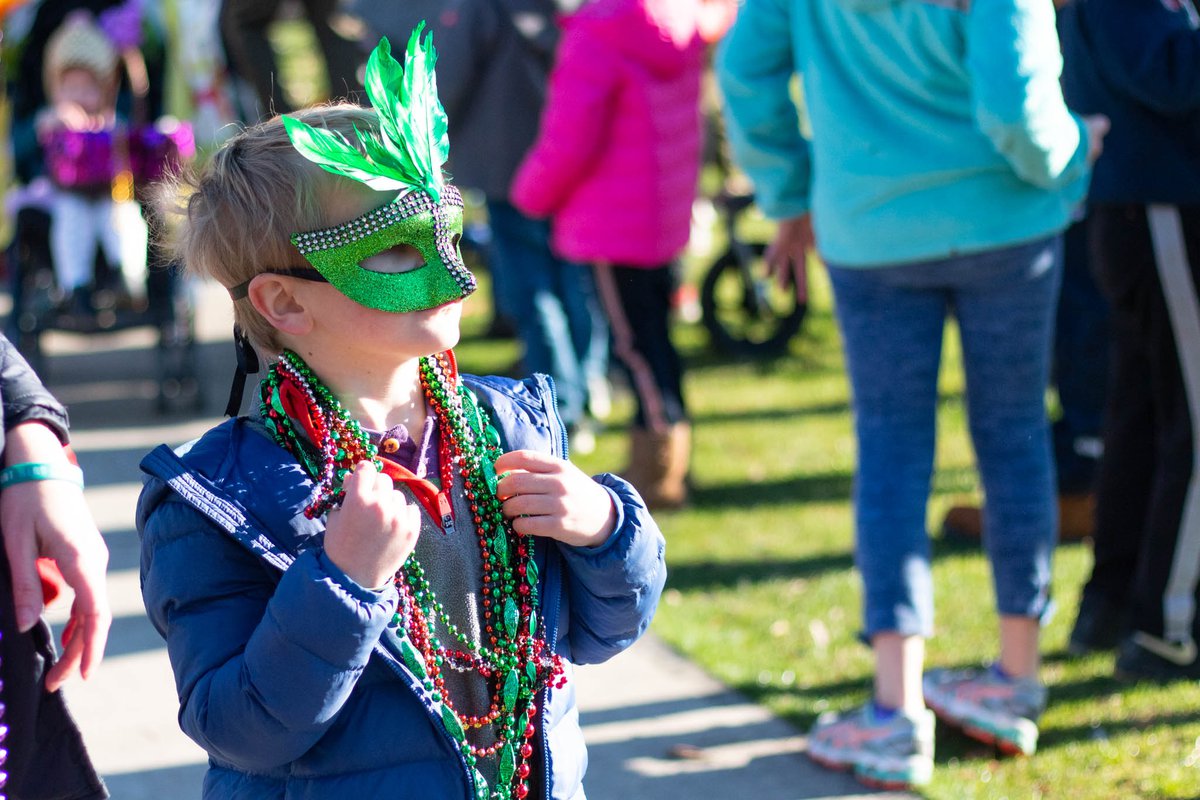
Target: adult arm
573,127
49,519
261,668
1013,63
25,399
755,65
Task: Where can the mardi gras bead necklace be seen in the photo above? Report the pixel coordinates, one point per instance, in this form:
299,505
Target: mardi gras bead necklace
516,665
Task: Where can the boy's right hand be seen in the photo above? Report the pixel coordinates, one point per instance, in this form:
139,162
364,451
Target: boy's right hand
375,529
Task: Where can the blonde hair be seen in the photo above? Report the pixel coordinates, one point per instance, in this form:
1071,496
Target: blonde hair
237,215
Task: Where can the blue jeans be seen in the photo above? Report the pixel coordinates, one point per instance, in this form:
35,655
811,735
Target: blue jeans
892,320
554,304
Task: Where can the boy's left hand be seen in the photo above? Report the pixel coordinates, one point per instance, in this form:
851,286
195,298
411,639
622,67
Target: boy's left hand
547,496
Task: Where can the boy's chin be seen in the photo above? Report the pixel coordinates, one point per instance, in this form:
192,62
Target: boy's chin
444,338
450,342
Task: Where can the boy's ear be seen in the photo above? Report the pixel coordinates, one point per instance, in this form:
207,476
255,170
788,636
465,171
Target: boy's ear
272,296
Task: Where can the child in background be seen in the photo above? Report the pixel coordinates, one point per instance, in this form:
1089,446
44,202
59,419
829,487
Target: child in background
377,585
615,169
79,132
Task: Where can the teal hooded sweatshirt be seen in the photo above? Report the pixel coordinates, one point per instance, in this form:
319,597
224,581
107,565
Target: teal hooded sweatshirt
938,127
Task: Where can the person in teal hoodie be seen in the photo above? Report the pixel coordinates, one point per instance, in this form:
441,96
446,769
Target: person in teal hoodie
941,168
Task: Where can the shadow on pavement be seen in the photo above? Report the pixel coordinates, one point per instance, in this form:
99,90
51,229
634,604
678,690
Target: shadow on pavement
702,747
156,784
117,387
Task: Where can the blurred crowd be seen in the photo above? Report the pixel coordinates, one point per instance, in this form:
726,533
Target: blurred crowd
1032,172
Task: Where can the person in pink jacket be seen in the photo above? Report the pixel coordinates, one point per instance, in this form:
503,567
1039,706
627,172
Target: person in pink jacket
615,167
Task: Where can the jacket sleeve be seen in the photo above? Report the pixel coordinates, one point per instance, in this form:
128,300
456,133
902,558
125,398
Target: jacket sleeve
1146,52
24,397
261,668
573,127
1013,61
614,588
755,65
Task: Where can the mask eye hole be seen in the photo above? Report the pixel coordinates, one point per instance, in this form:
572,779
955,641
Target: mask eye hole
401,258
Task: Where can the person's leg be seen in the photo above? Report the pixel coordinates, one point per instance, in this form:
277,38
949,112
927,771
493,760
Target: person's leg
73,236
1080,375
892,337
637,303
1005,311
503,259
589,330
1167,574
522,245
341,55
244,28
124,241
1080,371
1004,301
1119,244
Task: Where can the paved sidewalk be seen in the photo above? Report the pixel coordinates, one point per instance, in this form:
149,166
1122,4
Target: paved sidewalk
658,727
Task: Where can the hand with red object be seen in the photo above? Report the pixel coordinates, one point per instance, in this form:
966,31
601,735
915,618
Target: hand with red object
50,519
547,496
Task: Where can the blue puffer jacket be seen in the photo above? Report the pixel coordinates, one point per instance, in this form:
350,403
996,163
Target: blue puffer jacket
286,670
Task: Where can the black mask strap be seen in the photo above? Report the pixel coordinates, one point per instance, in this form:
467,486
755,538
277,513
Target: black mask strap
247,364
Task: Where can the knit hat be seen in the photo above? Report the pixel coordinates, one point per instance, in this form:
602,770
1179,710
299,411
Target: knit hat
79,43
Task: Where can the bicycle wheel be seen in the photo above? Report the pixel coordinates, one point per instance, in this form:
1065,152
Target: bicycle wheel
746,311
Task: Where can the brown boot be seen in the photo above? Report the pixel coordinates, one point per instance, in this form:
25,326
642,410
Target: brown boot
1076,520
963,524
658,465
1076,517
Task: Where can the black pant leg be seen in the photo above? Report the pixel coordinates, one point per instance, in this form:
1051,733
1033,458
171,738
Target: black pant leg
1168,575
637,301
244,26
1123,265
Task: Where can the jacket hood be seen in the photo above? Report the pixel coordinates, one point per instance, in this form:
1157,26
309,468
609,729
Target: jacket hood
659,34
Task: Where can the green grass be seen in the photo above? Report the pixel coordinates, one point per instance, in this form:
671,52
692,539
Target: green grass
762,591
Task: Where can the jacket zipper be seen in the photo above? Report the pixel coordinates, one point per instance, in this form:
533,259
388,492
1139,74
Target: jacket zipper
552,639
551,621
468,773
552,412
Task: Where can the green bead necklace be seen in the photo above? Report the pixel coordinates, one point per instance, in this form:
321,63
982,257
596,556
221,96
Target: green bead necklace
307,420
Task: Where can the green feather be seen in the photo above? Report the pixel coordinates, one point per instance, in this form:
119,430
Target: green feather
330,151
411,146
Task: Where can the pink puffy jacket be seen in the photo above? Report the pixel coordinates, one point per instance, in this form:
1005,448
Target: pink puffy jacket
618,154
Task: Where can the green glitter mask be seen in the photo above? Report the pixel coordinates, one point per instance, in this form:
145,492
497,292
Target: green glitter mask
415,219
405,154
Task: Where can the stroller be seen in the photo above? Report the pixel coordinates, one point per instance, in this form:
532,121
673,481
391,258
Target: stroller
124,161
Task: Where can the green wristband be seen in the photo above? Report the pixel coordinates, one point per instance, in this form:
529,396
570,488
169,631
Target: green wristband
33,471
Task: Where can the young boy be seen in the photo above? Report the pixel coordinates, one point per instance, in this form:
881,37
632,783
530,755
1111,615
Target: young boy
377,586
